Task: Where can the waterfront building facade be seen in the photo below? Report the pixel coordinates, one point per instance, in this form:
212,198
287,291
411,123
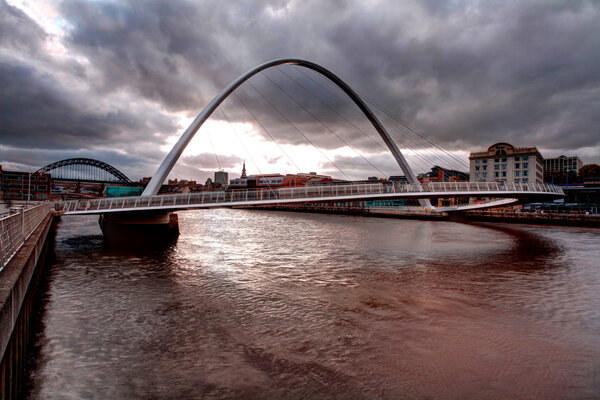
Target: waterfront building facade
17,185
440,174
562,170
563,164
278,180
399,179
303,179
263,181
502,162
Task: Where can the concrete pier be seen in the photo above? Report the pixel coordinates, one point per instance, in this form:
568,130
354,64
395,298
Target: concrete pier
138,228
19,281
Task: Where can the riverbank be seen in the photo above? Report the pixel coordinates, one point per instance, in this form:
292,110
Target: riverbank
381,212
536,218
480,216
19,281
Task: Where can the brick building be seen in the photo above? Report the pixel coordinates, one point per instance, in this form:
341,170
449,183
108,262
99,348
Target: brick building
16,185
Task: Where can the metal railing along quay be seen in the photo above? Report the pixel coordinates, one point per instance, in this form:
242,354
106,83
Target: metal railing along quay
304,193
16,227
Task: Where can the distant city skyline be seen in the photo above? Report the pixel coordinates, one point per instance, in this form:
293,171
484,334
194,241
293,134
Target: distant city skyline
119,82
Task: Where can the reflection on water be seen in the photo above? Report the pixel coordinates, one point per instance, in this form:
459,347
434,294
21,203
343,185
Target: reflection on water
253,304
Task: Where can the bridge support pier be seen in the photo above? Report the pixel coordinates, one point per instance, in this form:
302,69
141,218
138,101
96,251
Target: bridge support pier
143,228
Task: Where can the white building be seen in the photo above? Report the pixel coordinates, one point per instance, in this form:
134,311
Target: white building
502,162
257,181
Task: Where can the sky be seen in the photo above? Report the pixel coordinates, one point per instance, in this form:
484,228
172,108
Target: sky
119,81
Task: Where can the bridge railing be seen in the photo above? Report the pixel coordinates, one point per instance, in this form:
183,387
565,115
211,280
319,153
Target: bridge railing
17,226
487,186
303,193
183,200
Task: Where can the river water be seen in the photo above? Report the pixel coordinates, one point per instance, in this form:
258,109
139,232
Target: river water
258,304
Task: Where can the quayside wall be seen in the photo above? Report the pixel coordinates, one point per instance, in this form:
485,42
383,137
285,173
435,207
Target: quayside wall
462,216
535,218
19,281
382,212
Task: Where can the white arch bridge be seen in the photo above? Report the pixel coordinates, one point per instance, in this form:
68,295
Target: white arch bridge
150,201
508,193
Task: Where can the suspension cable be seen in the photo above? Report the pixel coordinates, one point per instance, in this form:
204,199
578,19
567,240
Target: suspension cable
320,121
297,129
421,137
214,150
245,149
266,130
386,150
413,129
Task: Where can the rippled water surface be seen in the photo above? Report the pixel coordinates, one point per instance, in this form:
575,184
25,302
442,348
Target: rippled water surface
256,304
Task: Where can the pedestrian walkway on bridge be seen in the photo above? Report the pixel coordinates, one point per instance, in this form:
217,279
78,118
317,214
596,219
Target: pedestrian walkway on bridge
323,193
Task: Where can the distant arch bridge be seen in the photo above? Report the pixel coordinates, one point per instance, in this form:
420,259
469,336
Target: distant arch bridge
85,170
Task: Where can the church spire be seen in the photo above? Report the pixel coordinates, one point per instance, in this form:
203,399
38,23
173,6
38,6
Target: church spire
244,171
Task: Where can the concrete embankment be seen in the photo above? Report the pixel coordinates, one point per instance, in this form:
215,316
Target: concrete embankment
487,216
381,212
19,281
535,218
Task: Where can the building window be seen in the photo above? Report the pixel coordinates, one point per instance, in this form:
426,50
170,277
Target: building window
516,158
42,187
484,161
525,173
496,167
503,166
525,165
504,173
517,180
485,167
517,173
524,180
41,196
477,168
484,175
42,179
477,161
504,160
496,174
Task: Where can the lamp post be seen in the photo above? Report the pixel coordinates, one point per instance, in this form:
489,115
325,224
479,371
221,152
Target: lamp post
29,186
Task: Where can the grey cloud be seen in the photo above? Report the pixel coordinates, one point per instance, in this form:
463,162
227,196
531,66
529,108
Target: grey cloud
466,73
33,159
209,161
162,51
38,112
18,31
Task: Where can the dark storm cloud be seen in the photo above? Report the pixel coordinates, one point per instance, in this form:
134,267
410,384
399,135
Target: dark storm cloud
506,73
38,106
474,75
466,73
40,112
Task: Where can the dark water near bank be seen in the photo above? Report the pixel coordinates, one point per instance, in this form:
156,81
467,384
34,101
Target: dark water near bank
253,304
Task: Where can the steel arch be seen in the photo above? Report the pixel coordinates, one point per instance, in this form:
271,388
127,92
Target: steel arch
165,167
87,161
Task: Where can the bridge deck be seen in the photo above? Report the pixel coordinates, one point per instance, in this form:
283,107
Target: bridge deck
326,193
